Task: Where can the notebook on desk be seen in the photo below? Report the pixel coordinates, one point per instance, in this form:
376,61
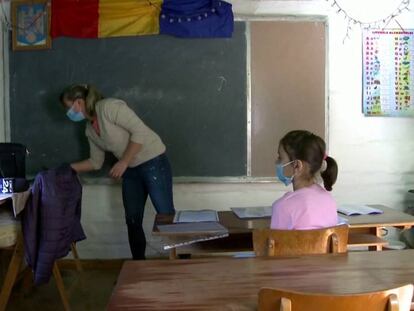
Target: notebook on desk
193,228
205,215
342,221
253,211
355,209
193,240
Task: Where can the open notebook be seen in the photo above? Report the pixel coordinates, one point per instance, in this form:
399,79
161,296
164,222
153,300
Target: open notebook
196,216
355,209
253,212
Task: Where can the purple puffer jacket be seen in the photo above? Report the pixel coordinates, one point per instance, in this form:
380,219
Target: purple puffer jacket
51,219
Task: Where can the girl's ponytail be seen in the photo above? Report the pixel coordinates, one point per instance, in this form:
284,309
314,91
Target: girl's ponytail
330,174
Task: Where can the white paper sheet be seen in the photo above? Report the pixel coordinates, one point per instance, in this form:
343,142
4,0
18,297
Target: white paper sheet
5,196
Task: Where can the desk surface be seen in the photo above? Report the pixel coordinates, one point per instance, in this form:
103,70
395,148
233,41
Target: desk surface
390,218
233,284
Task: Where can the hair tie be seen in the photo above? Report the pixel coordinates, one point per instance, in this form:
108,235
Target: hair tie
323,166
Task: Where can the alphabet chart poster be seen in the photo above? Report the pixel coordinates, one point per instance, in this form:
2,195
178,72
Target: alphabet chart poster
388,72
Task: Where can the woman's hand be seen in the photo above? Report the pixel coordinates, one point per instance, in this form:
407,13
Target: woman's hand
118,169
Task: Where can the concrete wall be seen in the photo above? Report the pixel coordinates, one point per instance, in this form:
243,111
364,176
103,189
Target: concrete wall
375,155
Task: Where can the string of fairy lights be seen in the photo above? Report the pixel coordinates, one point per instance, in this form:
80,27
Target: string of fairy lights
378,23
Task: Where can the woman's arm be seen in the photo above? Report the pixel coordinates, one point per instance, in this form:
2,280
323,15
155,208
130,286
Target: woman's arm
123,116
82,166
119,168
95,161
130,152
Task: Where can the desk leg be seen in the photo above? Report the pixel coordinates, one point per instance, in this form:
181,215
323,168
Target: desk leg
377,232
375,248
173,253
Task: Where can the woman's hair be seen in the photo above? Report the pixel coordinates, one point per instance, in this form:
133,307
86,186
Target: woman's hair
83,91
308,147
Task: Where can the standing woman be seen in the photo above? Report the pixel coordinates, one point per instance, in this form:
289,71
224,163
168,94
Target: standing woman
142,163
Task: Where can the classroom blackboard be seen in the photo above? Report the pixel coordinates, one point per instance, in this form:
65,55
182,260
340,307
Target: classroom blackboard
192,92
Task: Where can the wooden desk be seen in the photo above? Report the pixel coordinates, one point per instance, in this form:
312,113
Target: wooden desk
390,218
233,284
240,231
373,224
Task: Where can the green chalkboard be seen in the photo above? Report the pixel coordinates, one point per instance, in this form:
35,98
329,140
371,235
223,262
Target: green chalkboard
192,92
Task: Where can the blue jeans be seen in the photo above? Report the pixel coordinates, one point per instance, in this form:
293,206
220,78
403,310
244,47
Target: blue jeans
153,177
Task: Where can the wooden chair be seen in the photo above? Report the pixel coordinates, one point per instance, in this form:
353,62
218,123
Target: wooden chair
12,270
269,242
395,299
15,266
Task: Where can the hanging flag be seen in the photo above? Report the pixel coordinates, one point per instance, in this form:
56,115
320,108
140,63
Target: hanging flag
104,18
74,18
128,17
196,18
114,18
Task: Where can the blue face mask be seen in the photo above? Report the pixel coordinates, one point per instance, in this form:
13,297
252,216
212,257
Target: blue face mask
75,116
281,176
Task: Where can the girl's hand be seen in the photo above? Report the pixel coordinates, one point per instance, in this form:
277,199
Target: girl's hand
118,169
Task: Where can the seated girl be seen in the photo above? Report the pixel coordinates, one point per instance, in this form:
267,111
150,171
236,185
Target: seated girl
301,160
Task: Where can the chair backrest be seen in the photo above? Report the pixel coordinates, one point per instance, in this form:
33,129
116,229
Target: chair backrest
395,299
270,242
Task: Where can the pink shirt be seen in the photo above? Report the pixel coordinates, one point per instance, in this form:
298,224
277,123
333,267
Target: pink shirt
307,208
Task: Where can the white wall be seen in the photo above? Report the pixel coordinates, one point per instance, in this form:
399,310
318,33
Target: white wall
374,154
2,87
4,113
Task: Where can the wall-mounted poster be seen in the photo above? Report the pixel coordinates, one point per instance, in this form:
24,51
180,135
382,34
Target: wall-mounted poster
388,72
31,24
